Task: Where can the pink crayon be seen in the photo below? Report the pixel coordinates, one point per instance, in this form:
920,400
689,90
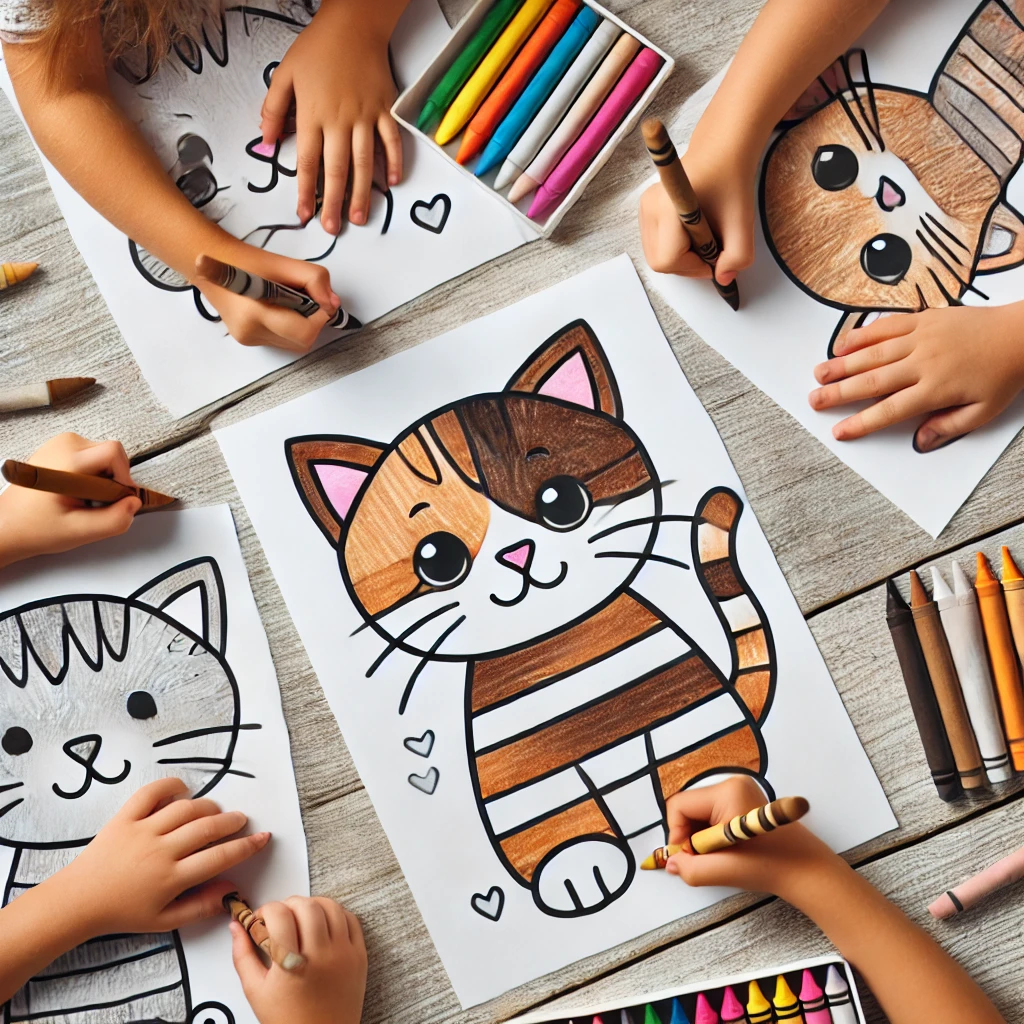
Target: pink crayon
812,1001
732,1009
636,78
705,1013
1004,872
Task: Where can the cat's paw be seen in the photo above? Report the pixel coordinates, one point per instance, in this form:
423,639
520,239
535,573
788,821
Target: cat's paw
583,876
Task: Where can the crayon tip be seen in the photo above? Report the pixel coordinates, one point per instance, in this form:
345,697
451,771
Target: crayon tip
598,1019
427,116
63,388
731,1008
15,273
678,1013
705,1013
893,598
918,595
1010,570
523,186
651,1015
490,156
984,574
961,584
940,588
472,143
809,988
756,1002
507,174
835,983
784,998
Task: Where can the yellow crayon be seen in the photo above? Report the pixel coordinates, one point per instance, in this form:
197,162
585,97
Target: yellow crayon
759,1010
787,1006
498,58
14,273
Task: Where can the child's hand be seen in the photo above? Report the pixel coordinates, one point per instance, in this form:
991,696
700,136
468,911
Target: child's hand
338,76
38,523
254,322
965,365
772,863
329,988
131,877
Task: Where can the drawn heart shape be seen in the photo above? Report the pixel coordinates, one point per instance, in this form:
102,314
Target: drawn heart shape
421,745
425,783
424,215
491,905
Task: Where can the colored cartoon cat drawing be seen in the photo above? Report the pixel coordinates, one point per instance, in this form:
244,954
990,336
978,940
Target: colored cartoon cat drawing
100,695
887,200
505,531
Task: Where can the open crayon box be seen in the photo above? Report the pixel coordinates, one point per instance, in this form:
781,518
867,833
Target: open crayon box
679,1005
409,104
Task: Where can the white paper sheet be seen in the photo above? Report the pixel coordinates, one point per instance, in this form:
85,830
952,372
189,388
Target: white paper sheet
781,332
438,225
163,661
415,763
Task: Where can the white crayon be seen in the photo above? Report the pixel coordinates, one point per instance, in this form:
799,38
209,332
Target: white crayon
840,1003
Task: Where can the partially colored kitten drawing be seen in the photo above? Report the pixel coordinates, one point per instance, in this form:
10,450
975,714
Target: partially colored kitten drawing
99,696
885,200
505,531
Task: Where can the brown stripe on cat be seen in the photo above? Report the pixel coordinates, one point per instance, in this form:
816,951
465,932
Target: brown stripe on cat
451,438
752,649
737,750
753,688
721,579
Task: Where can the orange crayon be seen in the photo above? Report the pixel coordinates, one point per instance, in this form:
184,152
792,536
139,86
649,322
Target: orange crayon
14,273
1013,593
1002,657
516,78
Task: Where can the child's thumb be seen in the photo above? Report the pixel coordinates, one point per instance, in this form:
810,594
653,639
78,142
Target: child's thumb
737,244
250,968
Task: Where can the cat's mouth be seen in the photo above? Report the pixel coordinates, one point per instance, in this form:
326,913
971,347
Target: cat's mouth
889,194
519,558
84,750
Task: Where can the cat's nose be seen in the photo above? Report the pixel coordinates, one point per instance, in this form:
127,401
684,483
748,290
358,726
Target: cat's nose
889,194
83,748
517,555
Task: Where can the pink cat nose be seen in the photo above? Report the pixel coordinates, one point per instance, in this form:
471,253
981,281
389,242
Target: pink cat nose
517,556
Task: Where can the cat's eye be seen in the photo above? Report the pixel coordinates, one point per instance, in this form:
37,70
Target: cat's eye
16,741
886,258
441,560
141,705
563,503
199,186
834,168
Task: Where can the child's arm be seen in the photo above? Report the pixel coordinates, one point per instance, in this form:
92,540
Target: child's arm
790,43
329,988
76,122
912,977
338,76
962,365
37,523
130,878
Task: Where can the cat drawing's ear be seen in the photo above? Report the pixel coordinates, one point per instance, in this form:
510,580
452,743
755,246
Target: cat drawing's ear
204,574
329,472
1004,240
571,366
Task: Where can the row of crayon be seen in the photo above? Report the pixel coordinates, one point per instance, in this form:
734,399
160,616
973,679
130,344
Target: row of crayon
817,1003
959,652
536,93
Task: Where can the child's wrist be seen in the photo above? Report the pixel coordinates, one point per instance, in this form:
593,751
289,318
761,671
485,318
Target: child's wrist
72,920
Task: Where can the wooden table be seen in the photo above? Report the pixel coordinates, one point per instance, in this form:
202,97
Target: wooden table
835,537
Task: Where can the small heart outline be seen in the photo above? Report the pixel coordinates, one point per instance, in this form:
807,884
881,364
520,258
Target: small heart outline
420,745
482,904
425,783
422,204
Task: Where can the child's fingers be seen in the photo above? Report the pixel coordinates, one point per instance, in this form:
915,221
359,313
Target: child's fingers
309,149
204,830
248,965
882,329
886,380
337,918
337,149
107,458
288,330
281,926
92,524
143,802
391,138
698,869
355,930
180,812
896,408
312,278
205,864
863,359
363,142
203,903
944,426
311,922
276,104
689,811
737,227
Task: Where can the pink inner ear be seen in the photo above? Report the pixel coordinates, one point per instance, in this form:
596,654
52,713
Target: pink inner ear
264,148
570,382
341,485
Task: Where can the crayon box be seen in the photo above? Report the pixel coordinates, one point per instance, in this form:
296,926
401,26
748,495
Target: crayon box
407,107
714,991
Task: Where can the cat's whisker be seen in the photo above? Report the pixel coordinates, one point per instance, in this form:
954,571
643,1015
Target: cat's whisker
210,731
924,301
933,235
644,557
942,227
639,522
870,87
935,255
856,98
10,807
11,785
407,692
406,633
400,603
195,760
224,771
945,293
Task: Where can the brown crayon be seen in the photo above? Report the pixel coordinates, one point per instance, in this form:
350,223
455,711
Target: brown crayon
14,273
1002,657
256,928
684,199
946,685
1013,593
80,485
49,392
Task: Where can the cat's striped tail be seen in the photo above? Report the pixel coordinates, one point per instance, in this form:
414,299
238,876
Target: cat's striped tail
754,664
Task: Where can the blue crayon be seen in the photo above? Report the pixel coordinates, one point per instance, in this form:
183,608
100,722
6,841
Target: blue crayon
543,83
678,1013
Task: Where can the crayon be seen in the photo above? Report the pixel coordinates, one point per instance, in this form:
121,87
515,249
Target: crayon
1013,592
550,116
624,1017
787,1006
705,1013
757,822
759,1010
942,671
837,991
515,79
677,185
937,751
518,119
1002,657
465,64
812,1000
678,1013
241,282
1003,872
651,1015
499,56
50,392
14,273
575,120
959,613
732,1011
621,100
81,486
256,927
